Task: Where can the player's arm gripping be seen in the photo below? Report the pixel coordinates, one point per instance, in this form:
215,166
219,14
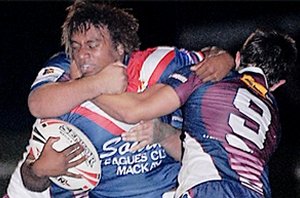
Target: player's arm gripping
128,107
30,180
155,131
57,98
215,66
51,163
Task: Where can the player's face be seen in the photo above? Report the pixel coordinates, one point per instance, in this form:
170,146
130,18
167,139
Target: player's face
93,50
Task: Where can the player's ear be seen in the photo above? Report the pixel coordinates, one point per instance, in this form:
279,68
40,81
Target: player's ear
120,49
275,86
75,72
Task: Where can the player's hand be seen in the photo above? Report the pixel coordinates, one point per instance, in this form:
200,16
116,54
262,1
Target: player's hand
114,78
52,163
216,65
74,71
145,133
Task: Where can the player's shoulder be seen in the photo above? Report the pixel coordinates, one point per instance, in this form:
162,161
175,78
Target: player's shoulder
59,59
153,50
160,48
56,68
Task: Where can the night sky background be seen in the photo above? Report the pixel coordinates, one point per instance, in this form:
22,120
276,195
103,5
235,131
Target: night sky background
30,34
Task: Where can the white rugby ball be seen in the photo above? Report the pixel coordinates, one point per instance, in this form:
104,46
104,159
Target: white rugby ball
69,134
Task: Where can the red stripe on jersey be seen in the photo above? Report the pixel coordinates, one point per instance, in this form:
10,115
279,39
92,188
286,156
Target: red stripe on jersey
136,64
50,121
163,64
100,120
95,176
134,67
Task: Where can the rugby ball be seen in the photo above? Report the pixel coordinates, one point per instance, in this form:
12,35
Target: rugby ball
90,169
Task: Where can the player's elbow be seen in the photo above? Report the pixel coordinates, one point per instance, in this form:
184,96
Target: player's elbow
34,106
129,116
33,188
40,108
131,120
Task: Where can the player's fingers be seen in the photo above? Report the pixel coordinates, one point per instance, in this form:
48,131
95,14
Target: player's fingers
135,136
128,136
51,141
146,125
197,66
74,71
201,72
212,78
76,162
138,146
140,136
136,128
70,174
75,153
141,128
210,74
67,151
132,136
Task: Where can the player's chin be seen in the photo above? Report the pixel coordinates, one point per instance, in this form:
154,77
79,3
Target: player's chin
89,73
88,69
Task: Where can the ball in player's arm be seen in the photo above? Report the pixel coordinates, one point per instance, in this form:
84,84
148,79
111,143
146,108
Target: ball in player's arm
80,47
61,165
50,167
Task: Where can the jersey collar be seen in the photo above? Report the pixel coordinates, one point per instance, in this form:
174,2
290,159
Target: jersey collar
256,70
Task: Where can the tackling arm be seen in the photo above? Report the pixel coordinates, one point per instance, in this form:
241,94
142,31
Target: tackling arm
57,98
156,101
155,131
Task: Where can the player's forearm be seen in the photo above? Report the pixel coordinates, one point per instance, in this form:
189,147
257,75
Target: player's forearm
55,99
31,181
169,138
120,107
131,108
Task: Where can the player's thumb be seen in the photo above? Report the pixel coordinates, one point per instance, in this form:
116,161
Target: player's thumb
52,140
195,67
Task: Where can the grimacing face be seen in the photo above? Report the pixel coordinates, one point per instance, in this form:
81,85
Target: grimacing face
93,50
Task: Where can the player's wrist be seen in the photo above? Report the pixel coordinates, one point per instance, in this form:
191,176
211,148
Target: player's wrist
89,87
31,181
34,167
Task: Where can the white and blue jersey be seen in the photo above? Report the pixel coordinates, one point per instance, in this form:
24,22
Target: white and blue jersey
147,173
231,129
57,68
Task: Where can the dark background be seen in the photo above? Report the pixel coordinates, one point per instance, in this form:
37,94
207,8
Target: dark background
30,34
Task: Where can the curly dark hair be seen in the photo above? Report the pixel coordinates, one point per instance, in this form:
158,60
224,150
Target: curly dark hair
275,53
121,25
